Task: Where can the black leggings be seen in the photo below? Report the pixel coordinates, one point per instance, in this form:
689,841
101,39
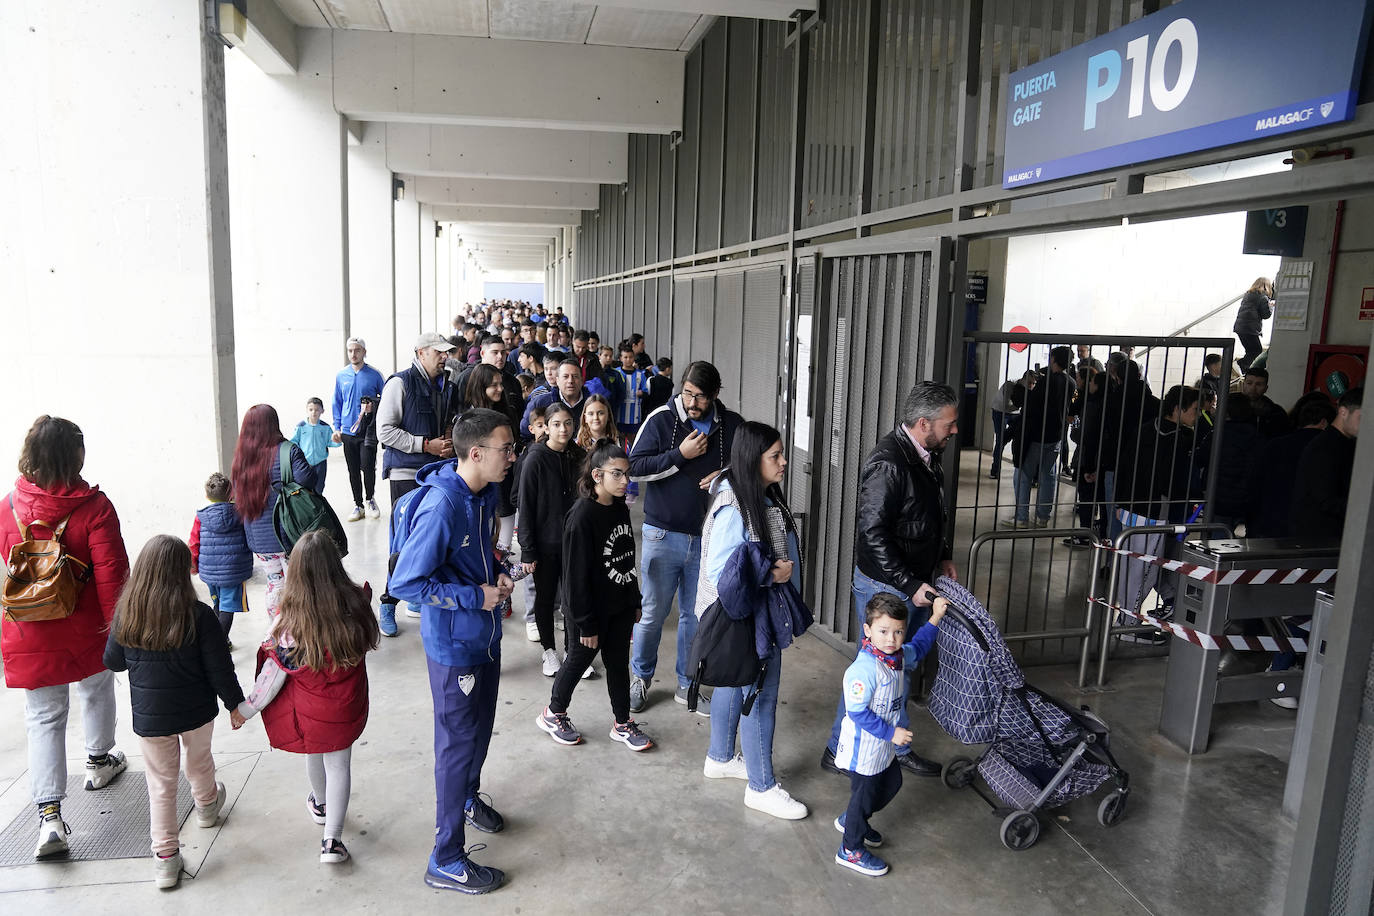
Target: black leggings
614,646
361,459
1253,348
547,574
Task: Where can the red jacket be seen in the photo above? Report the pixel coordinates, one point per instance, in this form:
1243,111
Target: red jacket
49,652
316,711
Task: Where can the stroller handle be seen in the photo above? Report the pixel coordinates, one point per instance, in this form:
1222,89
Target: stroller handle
962,618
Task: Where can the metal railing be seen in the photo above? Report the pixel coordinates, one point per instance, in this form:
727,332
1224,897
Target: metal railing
1183,331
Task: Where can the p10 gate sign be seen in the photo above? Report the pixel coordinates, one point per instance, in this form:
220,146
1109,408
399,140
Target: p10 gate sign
1196,75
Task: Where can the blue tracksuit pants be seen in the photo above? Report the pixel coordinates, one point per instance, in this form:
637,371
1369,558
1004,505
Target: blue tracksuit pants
464,712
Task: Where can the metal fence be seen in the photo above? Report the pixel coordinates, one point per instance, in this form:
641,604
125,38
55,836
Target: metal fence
1037,577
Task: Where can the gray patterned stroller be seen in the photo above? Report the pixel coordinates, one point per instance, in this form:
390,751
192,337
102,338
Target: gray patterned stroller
1040,752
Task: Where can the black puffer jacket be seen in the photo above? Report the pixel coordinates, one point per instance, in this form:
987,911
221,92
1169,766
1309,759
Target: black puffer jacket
174,691
903,524
1254,309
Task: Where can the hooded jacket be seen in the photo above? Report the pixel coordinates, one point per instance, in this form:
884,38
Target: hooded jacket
548,489
50,652
223,557
443,535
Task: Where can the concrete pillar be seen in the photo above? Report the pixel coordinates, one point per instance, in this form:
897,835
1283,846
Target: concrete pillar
372,295
569,248
288,184
114,246
407,247
428,319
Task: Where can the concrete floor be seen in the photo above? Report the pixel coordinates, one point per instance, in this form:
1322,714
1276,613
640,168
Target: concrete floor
597,829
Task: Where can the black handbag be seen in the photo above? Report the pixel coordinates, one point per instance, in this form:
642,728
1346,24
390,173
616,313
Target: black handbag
723,655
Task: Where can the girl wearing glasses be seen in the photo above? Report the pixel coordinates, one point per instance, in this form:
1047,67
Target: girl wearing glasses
601,596
548,487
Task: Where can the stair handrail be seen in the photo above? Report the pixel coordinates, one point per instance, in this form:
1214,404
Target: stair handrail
1181,332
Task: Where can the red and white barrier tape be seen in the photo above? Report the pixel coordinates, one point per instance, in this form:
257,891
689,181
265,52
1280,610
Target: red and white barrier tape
1230,577
1210,640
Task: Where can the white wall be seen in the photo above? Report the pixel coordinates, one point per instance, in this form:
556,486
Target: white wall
286,184
103,247
370,250
428,315
407,242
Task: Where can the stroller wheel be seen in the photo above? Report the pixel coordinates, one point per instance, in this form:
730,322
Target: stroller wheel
958,773
1111,809
1020,830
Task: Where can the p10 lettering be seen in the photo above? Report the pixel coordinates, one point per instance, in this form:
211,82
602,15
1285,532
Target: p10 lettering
1147,69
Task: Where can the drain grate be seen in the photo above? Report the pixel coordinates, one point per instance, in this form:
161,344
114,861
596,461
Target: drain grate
111,823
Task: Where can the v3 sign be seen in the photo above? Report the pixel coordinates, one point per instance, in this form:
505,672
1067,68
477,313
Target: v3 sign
1196,75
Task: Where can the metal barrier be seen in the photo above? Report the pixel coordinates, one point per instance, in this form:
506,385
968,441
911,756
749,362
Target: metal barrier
1106,602
1025,535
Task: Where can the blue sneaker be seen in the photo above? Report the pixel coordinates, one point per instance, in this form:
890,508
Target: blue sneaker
863,862
386,614
872,839
464,875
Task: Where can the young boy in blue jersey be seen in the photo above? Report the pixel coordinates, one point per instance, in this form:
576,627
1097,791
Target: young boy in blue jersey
315,439
444,538
869,733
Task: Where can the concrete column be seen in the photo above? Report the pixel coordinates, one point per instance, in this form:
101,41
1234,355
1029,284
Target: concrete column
372,305
428,319
569,249
407,247
113,239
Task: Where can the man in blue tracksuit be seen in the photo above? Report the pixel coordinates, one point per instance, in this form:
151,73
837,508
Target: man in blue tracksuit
680,449
443,537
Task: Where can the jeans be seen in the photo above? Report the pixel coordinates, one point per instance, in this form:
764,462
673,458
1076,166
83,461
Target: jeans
671,564
45,717
999,440
1037,461
361,459
864,589
614,646
464,713
755,729
161,760
331,782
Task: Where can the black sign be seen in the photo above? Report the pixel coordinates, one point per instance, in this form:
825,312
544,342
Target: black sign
1279,231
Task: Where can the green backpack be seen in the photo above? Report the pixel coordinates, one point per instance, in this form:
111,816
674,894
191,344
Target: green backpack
301,509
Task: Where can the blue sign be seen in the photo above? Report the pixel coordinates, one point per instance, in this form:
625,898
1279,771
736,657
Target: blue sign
1196,75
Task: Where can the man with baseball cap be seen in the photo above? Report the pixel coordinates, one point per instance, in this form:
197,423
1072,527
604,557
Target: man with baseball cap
414,423
355,382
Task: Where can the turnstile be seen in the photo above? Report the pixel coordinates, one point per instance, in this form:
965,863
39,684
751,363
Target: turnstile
1191,684
1307,710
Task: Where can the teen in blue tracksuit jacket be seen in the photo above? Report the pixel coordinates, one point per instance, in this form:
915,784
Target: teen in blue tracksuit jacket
445,556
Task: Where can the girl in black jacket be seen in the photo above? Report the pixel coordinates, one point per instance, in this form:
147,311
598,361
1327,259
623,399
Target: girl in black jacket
602,596
548,486
178,662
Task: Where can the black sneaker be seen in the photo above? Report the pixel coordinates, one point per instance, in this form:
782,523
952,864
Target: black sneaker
333,852
464,875
1077,542
828,763
630,735
481,815
559,726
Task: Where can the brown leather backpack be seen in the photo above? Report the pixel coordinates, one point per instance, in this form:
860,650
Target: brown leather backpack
42,581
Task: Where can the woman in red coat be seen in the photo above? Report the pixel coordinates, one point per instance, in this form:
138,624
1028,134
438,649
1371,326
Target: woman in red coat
44,657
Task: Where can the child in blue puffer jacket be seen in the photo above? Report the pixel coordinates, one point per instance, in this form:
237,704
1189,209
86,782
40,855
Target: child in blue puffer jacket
220,554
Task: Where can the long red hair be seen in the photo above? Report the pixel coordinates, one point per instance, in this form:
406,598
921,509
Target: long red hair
259,437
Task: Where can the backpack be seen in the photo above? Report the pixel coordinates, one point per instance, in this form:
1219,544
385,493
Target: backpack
300,509
42,581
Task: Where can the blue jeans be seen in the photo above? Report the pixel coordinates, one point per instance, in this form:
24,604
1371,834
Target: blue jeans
1037,462
864,589
755,729
999,440
671,563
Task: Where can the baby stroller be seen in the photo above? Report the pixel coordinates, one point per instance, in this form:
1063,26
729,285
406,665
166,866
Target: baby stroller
1040,752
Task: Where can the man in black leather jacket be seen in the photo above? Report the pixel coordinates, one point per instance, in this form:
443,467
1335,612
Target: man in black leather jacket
902,541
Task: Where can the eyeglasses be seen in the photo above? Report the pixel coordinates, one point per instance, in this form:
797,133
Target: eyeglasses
614,473
697,398
508,449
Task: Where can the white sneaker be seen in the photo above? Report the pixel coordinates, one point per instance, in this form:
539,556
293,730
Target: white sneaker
1284,702
373,510
730,769
209,815
589,674
551,663
167,872
532,631
52,833
776,802
357,515
416,613
98,776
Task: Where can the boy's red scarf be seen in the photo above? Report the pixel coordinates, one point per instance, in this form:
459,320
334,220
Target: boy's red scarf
892,661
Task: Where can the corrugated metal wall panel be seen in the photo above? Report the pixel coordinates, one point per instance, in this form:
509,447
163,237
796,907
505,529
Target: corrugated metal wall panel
711,151
762,344
687,153
834,118
667,164
646,189
775,127
740,114
700,341
680,341
727,331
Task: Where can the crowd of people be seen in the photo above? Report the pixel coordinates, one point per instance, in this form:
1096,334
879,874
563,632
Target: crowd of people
513,450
